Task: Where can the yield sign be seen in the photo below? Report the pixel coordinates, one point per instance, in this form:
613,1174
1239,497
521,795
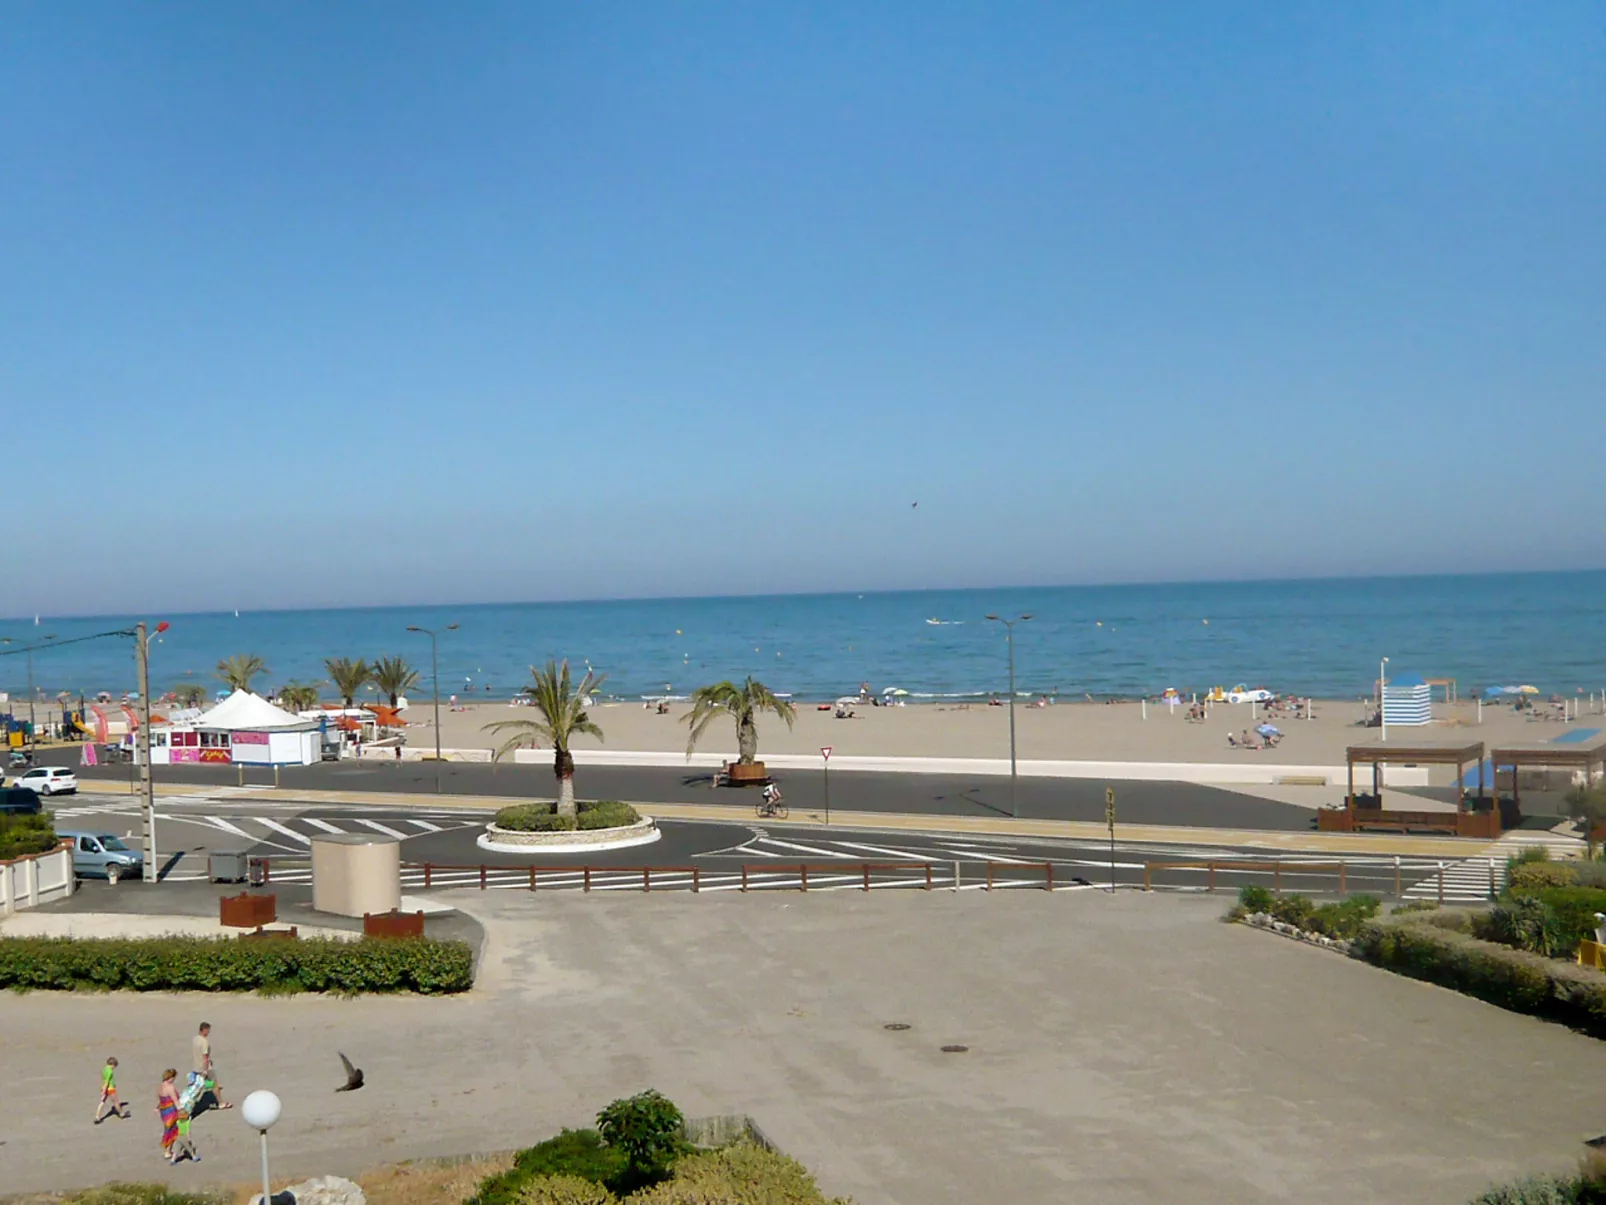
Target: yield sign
825,752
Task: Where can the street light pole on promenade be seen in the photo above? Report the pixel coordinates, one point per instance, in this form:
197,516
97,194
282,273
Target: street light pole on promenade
1009,637
435,677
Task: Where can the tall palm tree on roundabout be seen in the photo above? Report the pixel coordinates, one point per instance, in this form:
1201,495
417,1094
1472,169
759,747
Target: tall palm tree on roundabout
561,705
742,702
394,677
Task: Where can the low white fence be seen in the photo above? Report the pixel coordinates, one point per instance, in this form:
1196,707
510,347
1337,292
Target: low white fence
36,879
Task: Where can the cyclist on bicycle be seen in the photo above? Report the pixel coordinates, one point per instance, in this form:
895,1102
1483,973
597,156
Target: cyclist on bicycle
772,797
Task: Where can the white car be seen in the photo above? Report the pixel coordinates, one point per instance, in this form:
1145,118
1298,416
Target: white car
1242,694
50,780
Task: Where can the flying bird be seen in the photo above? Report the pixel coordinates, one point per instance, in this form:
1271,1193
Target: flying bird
912,505
353,1075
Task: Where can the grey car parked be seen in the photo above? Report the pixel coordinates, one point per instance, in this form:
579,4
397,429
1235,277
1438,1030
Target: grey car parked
103,856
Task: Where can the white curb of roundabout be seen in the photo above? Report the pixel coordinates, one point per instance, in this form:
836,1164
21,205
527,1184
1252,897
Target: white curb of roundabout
505,841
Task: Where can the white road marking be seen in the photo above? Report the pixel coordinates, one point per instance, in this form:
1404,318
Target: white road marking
986,857
279,828
808,849
323,824
426,825
906,854
384,828
215,822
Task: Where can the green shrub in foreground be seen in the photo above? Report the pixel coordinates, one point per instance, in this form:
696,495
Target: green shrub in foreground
1512,979
1574,909
225,964
1341,920
141,1194
743,1174
646,1128
564,1190
1540,874
543,817
23,835
1538,1190
1255,899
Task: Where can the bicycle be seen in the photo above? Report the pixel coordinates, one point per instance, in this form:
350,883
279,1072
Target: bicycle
771,808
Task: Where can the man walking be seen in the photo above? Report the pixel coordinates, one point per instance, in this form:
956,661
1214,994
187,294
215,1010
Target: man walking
203,1074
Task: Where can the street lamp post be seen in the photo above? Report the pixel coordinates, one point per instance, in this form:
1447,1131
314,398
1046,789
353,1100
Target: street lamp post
259,1111
1009,637
147,784
435,678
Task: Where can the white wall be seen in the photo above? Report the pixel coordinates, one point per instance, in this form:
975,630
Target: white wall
35,880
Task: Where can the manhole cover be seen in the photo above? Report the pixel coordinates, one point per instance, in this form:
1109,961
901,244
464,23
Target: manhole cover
955,1049
897,1025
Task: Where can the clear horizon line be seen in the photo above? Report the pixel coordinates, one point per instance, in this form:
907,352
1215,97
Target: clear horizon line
647,598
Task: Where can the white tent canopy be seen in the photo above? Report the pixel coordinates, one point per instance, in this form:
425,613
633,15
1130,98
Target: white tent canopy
244,710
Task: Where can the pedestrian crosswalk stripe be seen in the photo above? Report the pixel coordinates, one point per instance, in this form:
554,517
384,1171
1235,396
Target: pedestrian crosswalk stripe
280,828
383,828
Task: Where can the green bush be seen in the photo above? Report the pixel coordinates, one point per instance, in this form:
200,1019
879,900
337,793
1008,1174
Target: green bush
1589,873
225,964
141,1194
1541,874
1575,909
742,1174
1416,906
563,1190
646,1127
544,818
1255,899
1513,979
24,835
577,1154
1536,1190
607,813
1341,920
1524,923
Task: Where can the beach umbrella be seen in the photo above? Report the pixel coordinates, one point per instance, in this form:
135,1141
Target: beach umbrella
1269,730
894,690
1524,690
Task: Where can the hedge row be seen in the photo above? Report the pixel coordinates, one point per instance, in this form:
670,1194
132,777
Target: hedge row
544,818
743,1174
22,835
1574,909
1513,979
1341,920
225,964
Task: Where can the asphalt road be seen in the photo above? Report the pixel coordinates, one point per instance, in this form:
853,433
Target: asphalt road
281,831
939,794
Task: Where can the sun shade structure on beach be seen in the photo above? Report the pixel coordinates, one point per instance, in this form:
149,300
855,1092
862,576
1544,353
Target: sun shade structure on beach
1586,756
1402,753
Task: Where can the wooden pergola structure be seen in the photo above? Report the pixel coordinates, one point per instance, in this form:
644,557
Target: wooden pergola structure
1376,754
1463,822
1588,756
1448,684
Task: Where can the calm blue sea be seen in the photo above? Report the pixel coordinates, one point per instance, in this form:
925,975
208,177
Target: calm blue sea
1309,637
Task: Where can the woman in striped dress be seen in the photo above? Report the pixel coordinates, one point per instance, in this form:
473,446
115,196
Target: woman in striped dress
167,1109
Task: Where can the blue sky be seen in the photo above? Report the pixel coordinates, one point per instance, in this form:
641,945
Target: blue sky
392,302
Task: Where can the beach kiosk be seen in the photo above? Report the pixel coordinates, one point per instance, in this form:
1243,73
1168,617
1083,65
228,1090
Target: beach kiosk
244,729
1407,699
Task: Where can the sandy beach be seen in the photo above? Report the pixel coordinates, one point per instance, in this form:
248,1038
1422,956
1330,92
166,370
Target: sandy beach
1076,731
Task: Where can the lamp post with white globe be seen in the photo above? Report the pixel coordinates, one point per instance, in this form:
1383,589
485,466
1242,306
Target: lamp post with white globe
259,1111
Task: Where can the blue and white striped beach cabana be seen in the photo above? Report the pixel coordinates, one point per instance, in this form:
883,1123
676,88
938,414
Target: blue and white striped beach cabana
1407,700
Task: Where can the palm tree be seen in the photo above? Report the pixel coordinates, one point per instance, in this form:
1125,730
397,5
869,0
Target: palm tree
237,671
298,696
742,702
562,707
189,694
394,677
348,676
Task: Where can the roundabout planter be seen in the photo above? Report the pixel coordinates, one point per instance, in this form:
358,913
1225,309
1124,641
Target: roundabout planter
575,841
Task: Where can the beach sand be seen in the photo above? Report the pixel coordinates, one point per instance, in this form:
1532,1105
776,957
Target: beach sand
1070,731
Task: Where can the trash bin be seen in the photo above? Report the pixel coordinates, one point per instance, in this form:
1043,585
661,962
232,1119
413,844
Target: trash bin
226,867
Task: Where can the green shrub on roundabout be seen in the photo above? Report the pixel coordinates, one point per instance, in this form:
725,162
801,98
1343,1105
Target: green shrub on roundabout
543,817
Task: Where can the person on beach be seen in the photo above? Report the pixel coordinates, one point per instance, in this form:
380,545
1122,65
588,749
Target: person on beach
108,1094
167,1110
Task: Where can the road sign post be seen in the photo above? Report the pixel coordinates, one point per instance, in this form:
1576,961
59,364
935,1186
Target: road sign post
1109,819
825,756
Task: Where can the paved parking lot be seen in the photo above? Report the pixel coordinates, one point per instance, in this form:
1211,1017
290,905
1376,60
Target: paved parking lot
1122,1048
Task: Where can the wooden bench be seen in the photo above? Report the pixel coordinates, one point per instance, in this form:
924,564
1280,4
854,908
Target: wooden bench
247,911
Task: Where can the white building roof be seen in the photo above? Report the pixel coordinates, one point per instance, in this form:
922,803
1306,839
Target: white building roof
246,712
